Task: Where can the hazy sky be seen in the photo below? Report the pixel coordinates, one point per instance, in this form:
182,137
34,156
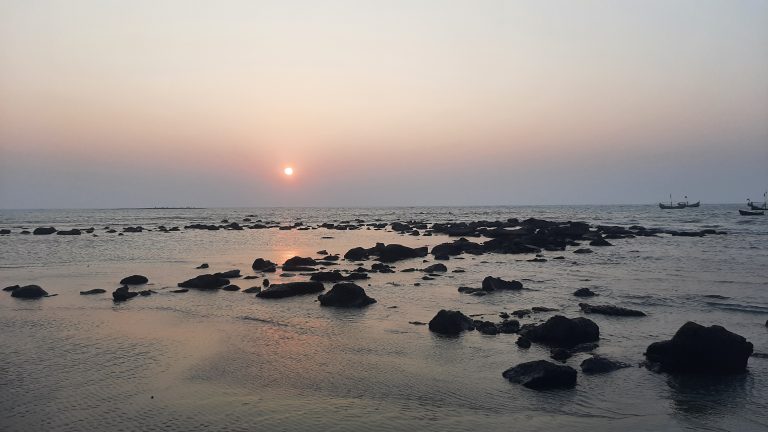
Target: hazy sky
203,103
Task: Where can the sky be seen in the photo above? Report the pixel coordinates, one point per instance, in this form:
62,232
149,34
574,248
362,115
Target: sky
381,103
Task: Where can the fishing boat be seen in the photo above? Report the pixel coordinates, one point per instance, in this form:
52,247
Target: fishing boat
751,213
679,205
753,206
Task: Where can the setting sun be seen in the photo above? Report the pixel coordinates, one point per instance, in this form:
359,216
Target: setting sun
288,171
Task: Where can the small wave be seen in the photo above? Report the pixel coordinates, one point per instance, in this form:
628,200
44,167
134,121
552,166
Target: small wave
752,309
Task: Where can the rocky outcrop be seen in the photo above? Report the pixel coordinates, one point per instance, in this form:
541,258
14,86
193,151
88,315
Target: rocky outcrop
491,283
698,349
290,289
542,375
450,322
299,264
609,310
584,292
559,331
346,295
436,268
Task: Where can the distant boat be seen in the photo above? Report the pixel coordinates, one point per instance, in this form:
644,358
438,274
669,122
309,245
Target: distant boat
679,205
754,206
751,213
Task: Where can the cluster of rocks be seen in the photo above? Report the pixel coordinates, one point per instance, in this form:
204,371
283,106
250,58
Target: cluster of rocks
491,284
386,253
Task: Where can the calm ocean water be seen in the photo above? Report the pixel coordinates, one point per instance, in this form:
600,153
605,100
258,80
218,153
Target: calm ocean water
230,361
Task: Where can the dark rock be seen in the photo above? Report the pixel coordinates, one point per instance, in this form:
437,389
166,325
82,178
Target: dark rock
598,365
417,323
180,290
345,295
521,313
145,293
73,231
396,252
716,296
134,280
230,274
93,291
202,266
231,288
523,342
542,375
563,332
435,268
322,252
290,289
560,354
537,260
357,254
299,264
29,292
122,294
584,347
450,322
542,309
262,265
249,277
509,326
698,349
600,242
252,290
583,251
205,281
11,288
5,231
491,283
584,292
265,283
609,310
44,231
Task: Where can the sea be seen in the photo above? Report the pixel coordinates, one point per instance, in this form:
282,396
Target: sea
228,361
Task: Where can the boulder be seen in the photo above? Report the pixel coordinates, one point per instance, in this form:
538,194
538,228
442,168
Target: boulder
436,268
542,375
231,288
559,331
450,322
252,290
205,281
299,264
609,310
5,231
202,266
597,365
584,292
357,254
93,291
229,274
134,280
347,295
44,231
290,289
491,283
262,265
509,326
600,242
122,294
523,342
29,292
73,231
396,252
698,349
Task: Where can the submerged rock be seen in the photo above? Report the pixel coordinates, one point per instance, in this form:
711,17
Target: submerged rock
542,375
298,263
698,349
134,280
73,231
44,231
93,291
563,332
597,365
450,322
180,290
347,295
396,252
290,289
583,251
202,266
29,292
231,288
584,292
609,310
436,268
252,290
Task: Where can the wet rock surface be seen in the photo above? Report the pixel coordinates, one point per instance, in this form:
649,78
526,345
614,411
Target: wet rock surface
346,295
542,375
290,289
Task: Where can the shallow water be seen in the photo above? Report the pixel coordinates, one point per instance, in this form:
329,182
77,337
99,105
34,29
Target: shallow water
230,361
